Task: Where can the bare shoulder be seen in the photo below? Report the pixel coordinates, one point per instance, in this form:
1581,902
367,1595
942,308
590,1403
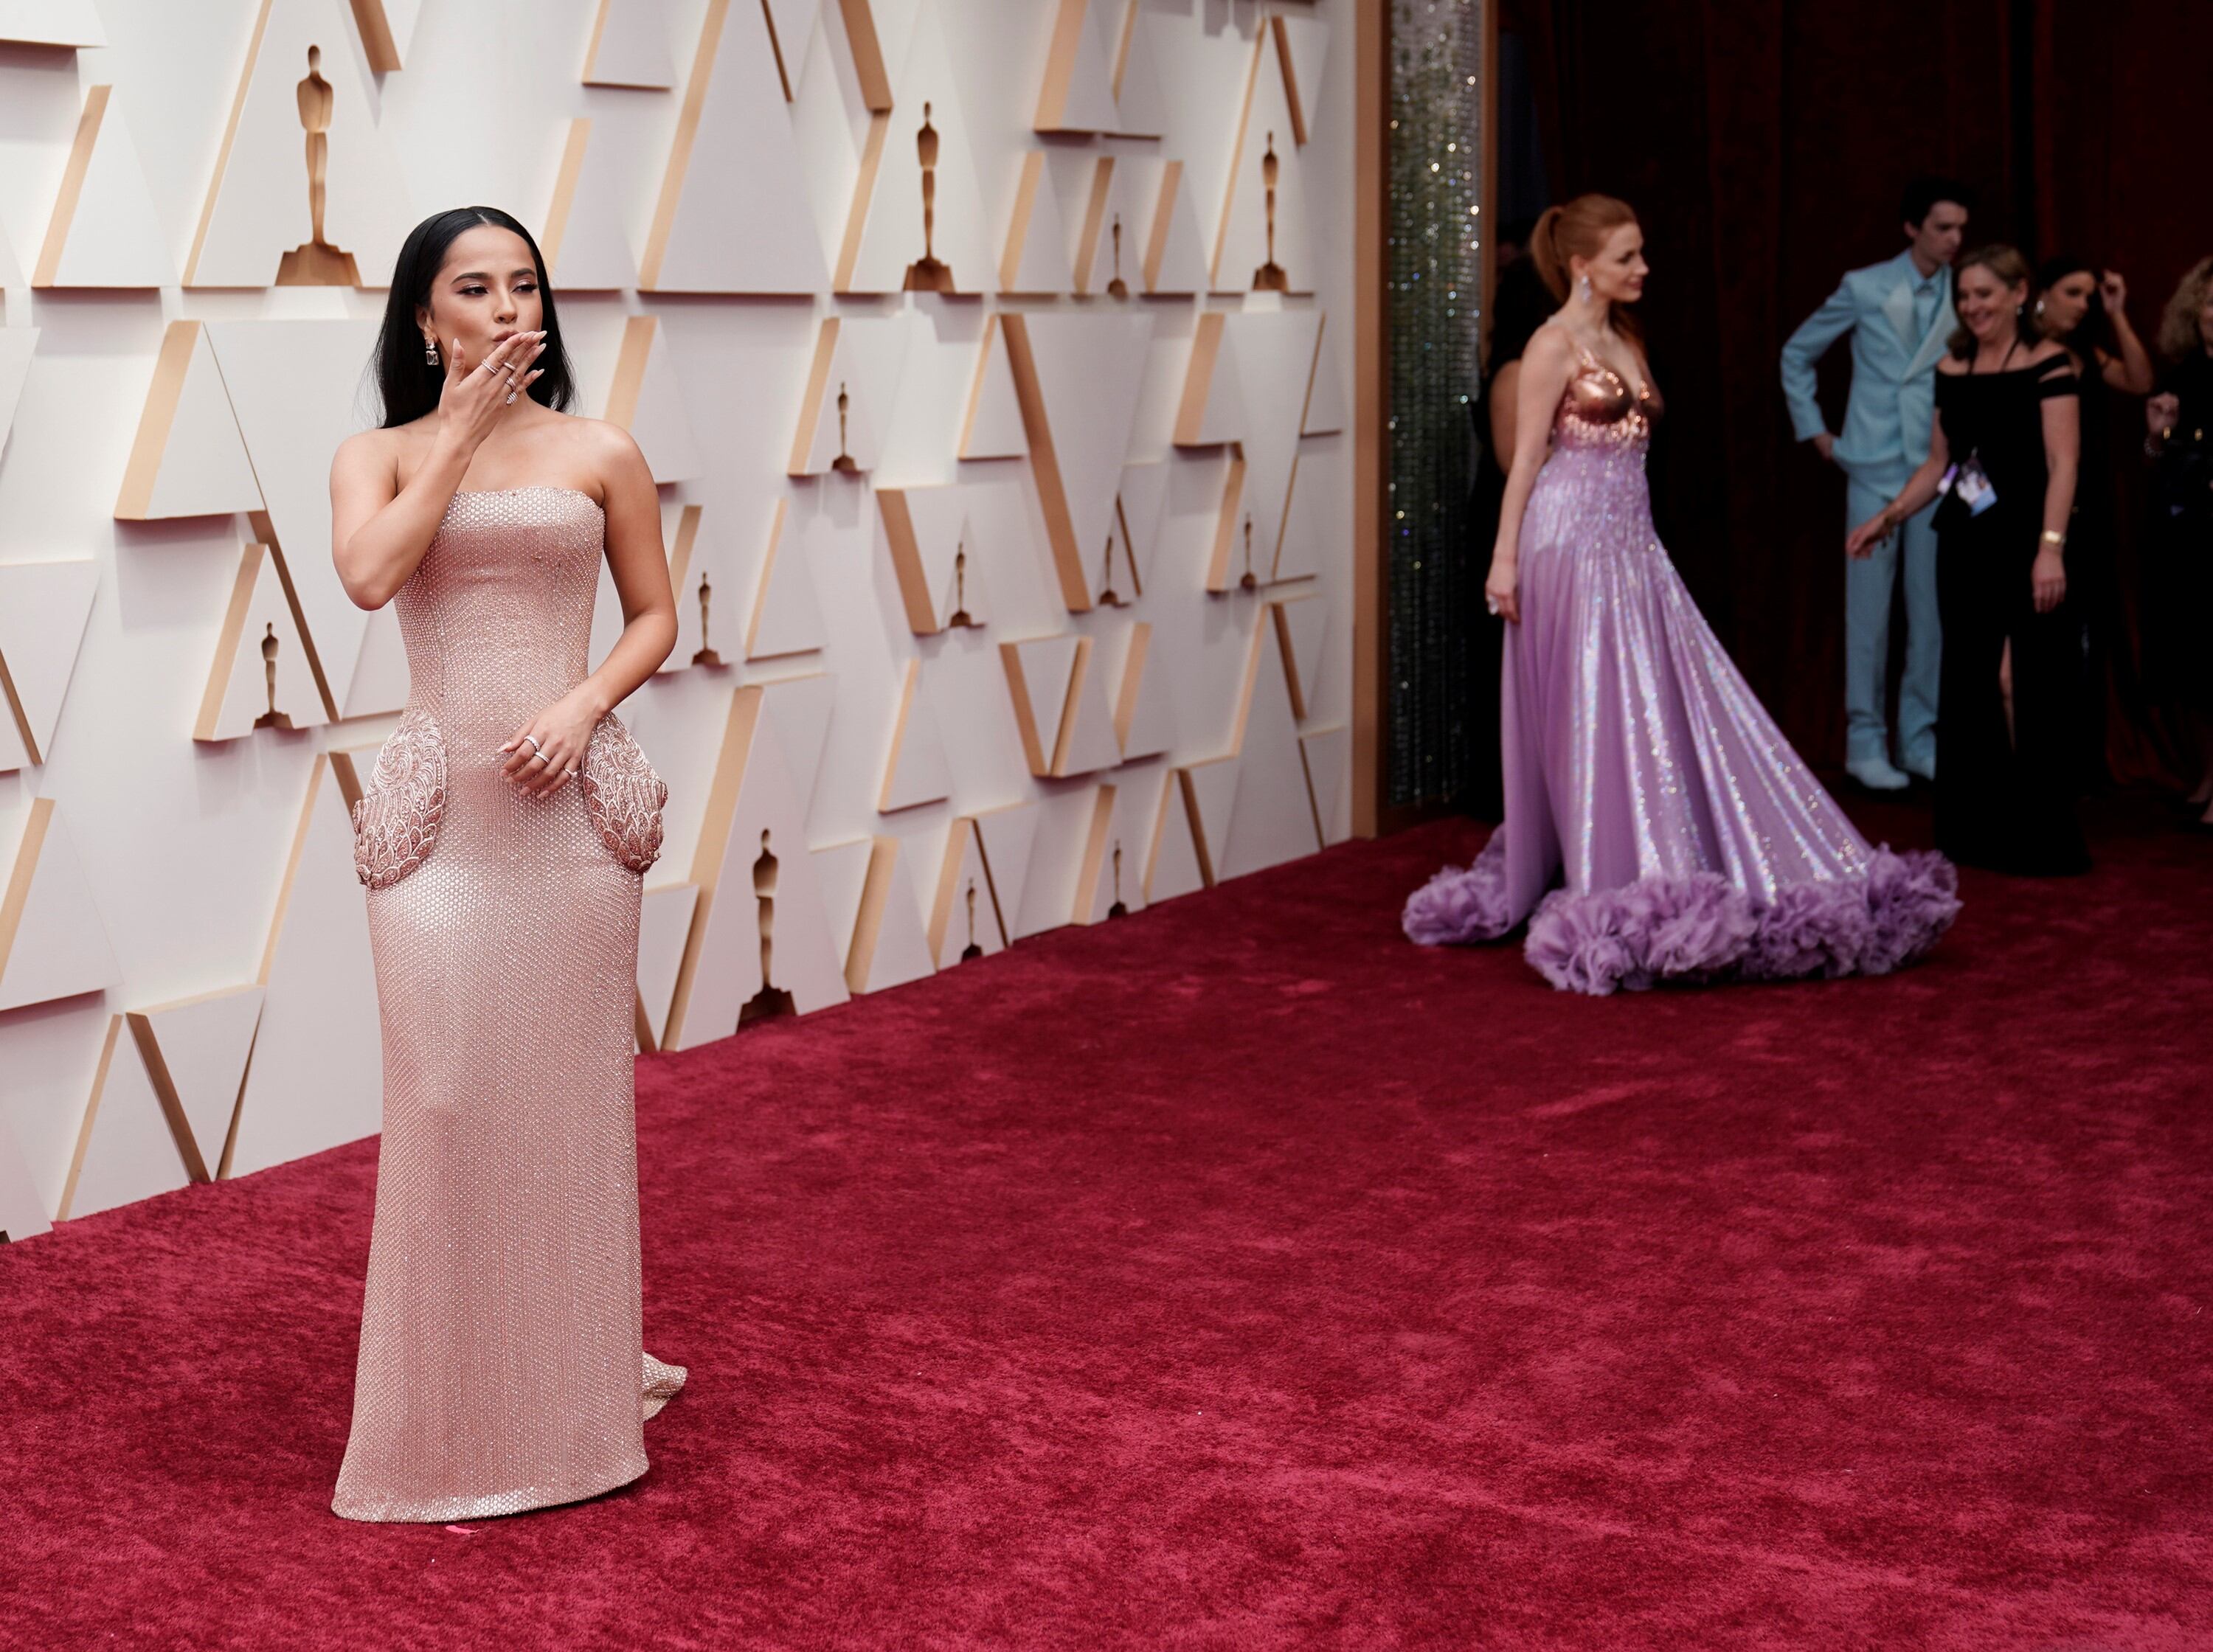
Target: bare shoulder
1549,348
601,448
1951,366
2050,349
365,453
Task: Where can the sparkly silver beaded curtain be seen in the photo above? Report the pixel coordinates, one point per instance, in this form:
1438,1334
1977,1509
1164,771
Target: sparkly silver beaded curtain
1435,260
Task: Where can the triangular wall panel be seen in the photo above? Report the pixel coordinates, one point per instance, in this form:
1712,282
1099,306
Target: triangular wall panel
963,912
44,607
1175,248
316,1075
629,47
993,426
732,215
835,418
644,398
257,622
751,794
1079,377
1078,94
1171,867
293,386
257,209
1272,818
884,233
124,1150
1008,836
52,943
584,243
787,613
188,458
196,1051
1241,240
104,230
1040,673
890,946
914,769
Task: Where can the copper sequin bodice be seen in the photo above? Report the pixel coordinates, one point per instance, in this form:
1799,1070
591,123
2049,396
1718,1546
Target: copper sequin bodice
1601,410
501,1366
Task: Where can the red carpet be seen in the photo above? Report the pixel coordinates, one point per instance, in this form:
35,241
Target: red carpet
1241,1276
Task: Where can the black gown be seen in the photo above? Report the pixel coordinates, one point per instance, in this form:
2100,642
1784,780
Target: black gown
2004,799
2177,562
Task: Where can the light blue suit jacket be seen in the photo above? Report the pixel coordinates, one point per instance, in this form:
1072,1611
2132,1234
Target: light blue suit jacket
1894,400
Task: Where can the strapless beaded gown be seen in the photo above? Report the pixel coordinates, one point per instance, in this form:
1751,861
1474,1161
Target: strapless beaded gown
501,1365
1658,825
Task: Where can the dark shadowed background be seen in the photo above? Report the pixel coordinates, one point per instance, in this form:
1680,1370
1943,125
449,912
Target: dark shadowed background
1765,143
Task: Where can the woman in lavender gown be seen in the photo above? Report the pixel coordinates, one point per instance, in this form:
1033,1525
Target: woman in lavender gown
1658,825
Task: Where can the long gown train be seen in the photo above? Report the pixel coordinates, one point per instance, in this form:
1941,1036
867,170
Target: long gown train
1688,840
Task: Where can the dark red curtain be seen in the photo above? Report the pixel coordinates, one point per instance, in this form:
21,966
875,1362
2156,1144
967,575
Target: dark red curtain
1765,143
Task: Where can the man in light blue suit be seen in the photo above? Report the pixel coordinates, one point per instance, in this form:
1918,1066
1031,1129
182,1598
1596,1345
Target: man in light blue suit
1899,314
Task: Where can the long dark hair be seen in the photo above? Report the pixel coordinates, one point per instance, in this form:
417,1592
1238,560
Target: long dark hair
407,384
2094,332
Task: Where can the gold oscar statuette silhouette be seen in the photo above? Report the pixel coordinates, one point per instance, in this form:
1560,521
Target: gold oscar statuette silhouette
770,1000
272,718
972,950
844,464
1107,598
926,274
1118,288
961,617
706,655
1117,910
1247,583
1270,277
316,263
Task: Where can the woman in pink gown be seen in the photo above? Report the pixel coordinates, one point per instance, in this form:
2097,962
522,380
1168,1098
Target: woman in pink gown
501,1366
1658,825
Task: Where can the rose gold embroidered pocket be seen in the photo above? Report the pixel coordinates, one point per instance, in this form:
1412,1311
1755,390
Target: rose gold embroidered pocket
395,823
623,795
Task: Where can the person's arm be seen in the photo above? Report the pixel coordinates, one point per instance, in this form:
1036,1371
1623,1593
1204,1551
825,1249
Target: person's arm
380,530
1920,488
2131,369
1505,384
639,563
1545,368
1805,347
2063,427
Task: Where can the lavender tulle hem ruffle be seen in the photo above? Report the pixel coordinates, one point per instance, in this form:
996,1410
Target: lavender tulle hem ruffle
1700,927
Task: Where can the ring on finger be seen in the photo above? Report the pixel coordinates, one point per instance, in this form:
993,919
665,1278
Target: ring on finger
541,756
571,773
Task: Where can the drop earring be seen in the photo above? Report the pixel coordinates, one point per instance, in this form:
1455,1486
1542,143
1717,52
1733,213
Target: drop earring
429,351
1583,288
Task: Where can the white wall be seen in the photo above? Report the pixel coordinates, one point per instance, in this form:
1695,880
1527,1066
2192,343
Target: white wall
202,883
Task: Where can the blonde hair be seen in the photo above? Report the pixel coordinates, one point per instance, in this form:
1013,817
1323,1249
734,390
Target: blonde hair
1578,229
2179,333
2011,269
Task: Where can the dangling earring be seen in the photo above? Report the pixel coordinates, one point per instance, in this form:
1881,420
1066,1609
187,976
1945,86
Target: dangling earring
1582,287
2039,307
429,351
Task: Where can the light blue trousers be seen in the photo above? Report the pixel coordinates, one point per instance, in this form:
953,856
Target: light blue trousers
1867,586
